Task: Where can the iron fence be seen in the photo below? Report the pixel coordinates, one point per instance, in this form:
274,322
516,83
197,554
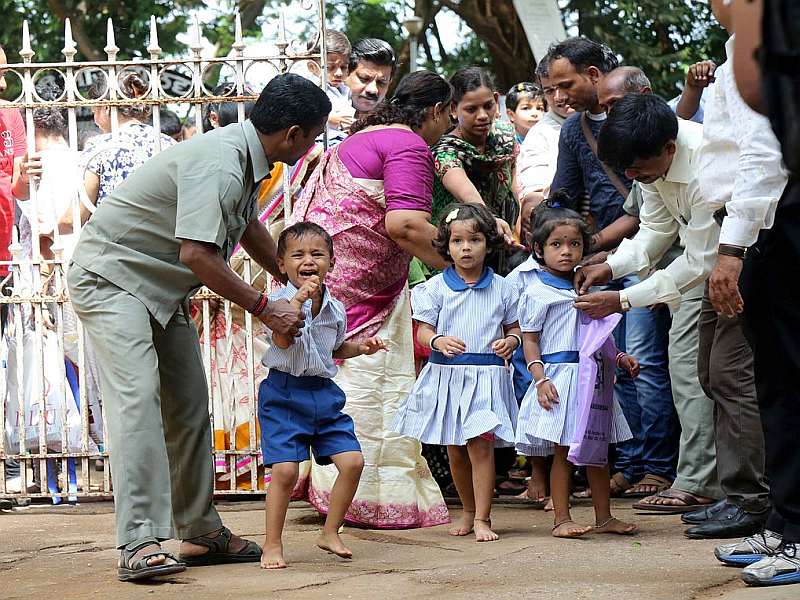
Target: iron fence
51,413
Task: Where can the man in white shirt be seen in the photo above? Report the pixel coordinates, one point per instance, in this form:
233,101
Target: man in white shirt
725,362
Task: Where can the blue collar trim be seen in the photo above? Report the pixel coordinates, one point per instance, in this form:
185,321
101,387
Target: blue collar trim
554,281
455,283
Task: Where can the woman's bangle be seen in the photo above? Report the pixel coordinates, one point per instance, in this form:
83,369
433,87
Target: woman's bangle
534,362
260,305
536,384
433,339
516,337
619,358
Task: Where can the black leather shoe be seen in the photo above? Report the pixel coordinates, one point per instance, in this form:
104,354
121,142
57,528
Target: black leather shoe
704,514
731,522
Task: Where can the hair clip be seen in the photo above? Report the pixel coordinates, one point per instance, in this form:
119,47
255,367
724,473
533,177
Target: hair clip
520,87
452,215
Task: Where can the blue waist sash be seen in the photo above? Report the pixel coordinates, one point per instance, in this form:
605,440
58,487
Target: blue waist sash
561,357
467,358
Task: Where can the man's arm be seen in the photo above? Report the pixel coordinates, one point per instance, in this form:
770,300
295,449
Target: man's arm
698,78
211,269
411,230
259,244
666,285
760,179
658,230
747,19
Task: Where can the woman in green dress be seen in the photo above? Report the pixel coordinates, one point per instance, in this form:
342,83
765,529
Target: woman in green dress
475,161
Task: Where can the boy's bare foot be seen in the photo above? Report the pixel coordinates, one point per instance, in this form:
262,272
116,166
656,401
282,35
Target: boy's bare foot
272,557
483,531
569,529
549,506
333,544
614,525
463,526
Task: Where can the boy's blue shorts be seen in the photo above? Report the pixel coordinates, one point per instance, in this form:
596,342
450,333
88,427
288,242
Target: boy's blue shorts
296,413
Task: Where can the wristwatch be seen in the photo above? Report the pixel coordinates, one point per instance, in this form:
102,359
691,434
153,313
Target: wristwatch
731,250
624,303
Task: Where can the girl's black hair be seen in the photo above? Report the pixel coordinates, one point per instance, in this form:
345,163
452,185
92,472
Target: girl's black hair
519,91
468,80
414,96
484,220
557,210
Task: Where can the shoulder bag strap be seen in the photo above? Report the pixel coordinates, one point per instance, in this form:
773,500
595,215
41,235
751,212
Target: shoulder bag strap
612,176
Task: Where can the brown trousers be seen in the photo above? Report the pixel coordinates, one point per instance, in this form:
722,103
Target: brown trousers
725,370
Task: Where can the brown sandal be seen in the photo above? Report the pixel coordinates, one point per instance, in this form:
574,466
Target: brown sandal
649,484
689,502
619,485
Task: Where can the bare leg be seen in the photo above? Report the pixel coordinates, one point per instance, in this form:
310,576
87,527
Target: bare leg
461,470
284,477
349,465
537,486
601,499
560,475
481,455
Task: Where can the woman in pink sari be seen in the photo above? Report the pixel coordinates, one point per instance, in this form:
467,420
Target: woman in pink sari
372,193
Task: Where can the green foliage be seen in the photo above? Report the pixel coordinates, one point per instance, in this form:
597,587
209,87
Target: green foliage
663,37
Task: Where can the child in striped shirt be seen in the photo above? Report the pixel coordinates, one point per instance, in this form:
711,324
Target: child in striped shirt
548,416
464,397
299,405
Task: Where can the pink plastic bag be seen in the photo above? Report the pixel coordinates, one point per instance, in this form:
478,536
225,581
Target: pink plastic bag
595,399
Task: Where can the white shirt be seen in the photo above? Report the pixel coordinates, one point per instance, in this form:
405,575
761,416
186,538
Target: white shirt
671,206
311,354
740,164
538,155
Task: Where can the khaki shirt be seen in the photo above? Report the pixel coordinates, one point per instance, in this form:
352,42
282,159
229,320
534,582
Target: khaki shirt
201,190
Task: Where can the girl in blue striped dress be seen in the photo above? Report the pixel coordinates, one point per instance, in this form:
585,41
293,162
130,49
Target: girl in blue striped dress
464,397
549,413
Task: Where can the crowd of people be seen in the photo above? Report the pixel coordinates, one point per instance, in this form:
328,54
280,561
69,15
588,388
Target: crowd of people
542,287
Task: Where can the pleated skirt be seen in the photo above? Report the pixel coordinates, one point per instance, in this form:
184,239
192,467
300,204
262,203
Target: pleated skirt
539,430
451,404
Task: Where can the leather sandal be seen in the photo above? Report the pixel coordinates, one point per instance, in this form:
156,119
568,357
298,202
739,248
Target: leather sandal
218,553
128,571
656,483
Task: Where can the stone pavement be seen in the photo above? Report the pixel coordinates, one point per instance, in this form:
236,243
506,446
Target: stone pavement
68,553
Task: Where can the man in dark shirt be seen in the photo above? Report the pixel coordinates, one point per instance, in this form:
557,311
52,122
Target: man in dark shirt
574,68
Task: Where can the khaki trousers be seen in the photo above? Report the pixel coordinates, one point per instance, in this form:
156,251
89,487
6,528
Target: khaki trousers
697,462
156,403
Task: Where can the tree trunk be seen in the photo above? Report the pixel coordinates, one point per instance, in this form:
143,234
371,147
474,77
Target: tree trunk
497,24
78,32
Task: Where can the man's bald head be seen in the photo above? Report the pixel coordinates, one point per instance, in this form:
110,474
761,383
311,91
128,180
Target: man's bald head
619,83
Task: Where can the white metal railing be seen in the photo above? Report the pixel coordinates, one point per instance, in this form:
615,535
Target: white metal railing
51,412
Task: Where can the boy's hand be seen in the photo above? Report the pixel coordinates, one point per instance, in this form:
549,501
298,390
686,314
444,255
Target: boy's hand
310,289
547,395
449,346
630,364
505,348
372,345
701,74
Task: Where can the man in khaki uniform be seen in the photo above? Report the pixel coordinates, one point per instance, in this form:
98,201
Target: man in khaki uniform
166,231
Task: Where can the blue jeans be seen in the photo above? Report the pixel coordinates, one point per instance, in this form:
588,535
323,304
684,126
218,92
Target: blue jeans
647,400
